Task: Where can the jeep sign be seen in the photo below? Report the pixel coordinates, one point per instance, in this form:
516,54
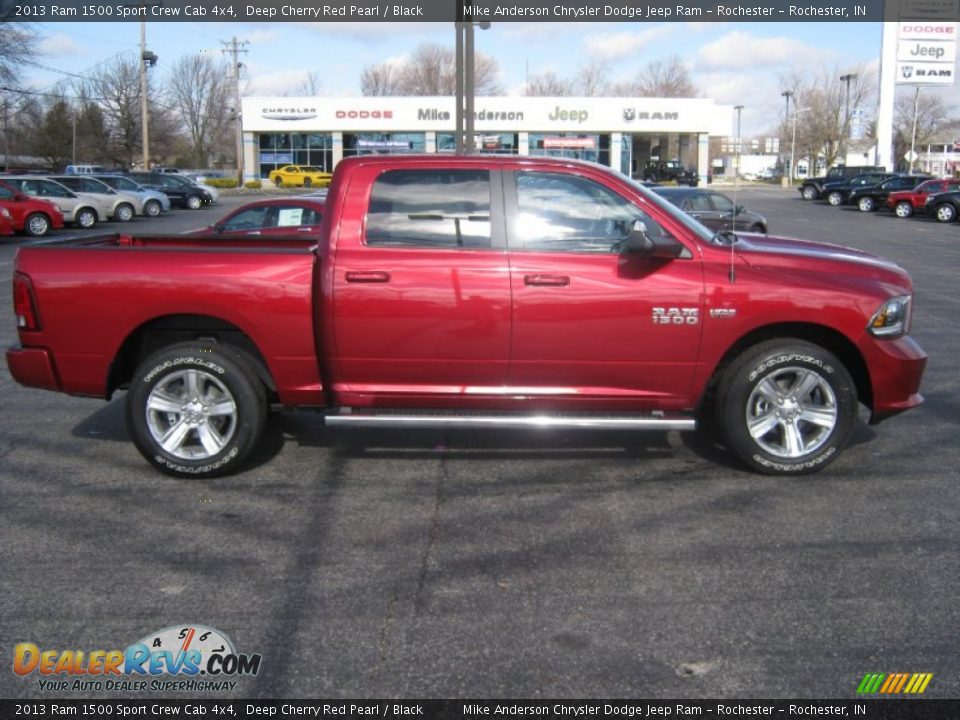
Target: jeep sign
929,51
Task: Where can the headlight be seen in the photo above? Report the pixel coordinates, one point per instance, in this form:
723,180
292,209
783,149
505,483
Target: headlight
892,319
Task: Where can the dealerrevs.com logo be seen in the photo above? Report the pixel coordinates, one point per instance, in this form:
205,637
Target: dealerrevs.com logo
183,658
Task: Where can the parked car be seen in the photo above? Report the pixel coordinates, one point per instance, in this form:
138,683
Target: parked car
945,206
713,209
870,197
812,188
905,203
6,222
84,169
123,206
836,192
179,188
29,215
300,176
153,202
668,171
273,218
81,209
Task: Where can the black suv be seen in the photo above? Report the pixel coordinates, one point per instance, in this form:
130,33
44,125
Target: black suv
836,192
669,171
870,197
812,188
180,189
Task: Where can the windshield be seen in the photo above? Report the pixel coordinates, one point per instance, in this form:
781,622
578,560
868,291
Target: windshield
674,212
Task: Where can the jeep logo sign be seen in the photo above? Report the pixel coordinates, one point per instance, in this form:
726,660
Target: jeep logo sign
931,51
573,115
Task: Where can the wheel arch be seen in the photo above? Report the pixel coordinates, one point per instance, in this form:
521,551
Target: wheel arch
167,330
822,335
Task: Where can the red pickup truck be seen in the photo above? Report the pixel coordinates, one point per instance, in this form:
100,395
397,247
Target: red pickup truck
474,291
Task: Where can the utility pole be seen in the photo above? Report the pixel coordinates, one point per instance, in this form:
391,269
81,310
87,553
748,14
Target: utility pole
786,126
234,47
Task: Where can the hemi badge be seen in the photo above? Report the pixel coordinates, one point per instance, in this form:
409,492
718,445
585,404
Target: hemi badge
723,312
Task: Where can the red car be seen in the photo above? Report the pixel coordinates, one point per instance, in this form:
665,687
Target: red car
6,222
28,214
905,203
274,218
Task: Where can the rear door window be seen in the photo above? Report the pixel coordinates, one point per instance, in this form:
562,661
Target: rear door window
430,208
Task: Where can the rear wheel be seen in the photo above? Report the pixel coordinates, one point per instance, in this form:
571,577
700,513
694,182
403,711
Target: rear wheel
903,209
196,410
835,198
86,218
787,407
809,193
152,208
945,213
36,225
866,204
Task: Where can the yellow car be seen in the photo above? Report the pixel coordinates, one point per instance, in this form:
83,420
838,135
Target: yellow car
298,175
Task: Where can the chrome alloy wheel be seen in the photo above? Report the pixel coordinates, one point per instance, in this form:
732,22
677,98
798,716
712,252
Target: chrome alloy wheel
191,414
791,412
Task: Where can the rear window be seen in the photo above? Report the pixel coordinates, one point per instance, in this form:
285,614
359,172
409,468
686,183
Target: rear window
430,208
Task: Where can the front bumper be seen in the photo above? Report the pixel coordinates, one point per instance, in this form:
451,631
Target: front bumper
896,369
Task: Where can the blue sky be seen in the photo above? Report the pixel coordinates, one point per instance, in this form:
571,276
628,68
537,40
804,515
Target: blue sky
735,63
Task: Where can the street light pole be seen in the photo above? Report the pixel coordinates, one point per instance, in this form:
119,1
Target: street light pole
848,78
736,179
465,139
913,135
143,95
793,142
787,94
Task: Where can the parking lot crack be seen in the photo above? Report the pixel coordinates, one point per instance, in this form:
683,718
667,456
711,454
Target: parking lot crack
439,497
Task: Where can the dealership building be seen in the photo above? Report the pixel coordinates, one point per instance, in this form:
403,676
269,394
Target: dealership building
623,133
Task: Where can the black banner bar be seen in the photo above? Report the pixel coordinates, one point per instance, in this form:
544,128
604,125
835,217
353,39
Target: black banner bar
638,11
105,708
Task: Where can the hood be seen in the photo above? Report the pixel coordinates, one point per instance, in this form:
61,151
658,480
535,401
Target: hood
809,256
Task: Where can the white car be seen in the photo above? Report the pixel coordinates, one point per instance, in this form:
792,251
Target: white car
123,206
79,209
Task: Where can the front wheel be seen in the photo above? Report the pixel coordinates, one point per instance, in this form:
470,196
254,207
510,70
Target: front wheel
945,213
809,193
196,410
903,209
835,199
866,204
194,202
787,407
307,182
278,181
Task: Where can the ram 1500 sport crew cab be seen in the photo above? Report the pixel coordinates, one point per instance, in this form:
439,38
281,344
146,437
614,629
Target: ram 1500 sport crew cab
474,291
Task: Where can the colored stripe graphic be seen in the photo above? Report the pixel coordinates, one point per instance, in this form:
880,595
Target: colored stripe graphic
894,683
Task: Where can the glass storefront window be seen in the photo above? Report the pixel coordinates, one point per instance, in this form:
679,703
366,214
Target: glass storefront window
486,142
383,143
279,149
570,145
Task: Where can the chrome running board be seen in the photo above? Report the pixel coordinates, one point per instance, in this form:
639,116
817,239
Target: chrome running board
387,419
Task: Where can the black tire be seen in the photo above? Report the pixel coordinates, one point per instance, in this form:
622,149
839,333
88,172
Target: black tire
36,225
278,181
85,218
945,212
835,198
152,208
866,204
758,228
809,192
193,202
787,407
903,209
124,213
206,400
307,182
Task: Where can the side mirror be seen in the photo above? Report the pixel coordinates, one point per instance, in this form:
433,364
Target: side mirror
639,242
739,209
217,227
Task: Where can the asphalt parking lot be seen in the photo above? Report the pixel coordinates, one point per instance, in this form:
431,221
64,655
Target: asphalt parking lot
504,564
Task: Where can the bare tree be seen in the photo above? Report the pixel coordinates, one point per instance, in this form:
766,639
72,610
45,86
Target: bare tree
380,79
198,92
548,85
17,46
430,70
591,80
664,78
311,84
933,117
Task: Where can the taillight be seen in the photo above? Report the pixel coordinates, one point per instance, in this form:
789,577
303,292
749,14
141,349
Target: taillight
23,303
